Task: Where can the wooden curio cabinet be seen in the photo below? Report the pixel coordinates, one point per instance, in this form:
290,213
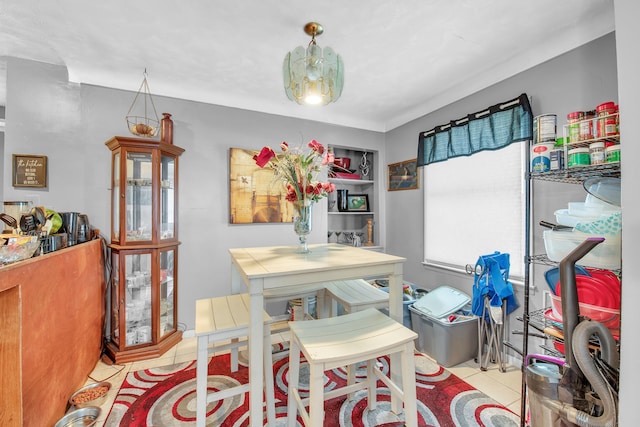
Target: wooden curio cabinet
143,289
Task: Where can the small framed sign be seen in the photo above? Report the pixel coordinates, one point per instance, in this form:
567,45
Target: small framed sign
29,170
403,175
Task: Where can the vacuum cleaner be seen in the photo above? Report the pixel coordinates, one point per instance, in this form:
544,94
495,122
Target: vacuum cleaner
581,389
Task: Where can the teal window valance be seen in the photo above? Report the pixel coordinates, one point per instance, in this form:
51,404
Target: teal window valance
490,129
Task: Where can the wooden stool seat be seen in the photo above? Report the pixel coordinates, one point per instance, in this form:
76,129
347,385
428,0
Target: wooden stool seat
344,341
354,295
222,323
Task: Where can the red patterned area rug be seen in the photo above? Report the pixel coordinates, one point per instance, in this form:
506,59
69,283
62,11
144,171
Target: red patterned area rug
165,397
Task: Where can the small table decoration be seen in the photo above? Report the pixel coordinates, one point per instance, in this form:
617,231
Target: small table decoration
298,171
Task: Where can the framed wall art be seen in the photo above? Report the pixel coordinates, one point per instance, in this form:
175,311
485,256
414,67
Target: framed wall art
357,203
254,195
29,170
403,176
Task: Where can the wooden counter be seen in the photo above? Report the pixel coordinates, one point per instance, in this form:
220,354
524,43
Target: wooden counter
51,324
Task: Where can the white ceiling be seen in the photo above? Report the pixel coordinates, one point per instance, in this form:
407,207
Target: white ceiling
403,58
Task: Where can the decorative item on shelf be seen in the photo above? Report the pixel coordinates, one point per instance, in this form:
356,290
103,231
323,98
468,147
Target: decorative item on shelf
364,166
298,171
369,241
358,203
140,120
343,200
166,128
313,75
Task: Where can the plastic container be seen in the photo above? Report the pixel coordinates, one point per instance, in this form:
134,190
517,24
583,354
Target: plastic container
407,301
579,157
558,244
540,157
612,153
609,317
449,343
556,159
586,125
574,125
544,128
607,120
563,217
597,155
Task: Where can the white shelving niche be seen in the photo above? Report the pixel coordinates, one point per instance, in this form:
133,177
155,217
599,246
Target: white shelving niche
364,224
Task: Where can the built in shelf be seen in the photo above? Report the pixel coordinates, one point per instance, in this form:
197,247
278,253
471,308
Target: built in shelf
351,213
350,181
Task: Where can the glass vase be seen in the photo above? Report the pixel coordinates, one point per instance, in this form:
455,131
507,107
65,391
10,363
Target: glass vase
302,224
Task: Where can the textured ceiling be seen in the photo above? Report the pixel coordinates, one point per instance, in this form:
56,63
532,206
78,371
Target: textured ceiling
403,58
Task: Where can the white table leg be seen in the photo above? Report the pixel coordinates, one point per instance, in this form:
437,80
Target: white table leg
201,380
256,354
396,312
236,281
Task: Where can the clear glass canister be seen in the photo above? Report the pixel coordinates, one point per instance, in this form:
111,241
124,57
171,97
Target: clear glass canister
597,154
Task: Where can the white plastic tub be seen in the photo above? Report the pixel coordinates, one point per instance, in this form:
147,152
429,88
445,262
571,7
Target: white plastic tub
559,244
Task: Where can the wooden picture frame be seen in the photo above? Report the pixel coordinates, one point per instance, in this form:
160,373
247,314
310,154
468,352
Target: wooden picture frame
29,170
255,196
403,175
357,203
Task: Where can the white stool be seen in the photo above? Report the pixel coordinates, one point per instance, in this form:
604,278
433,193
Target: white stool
224,319
354,295
343,341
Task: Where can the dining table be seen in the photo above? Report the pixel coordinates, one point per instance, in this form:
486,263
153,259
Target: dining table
282,268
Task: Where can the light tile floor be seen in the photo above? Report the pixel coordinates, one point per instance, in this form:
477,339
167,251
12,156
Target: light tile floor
503,387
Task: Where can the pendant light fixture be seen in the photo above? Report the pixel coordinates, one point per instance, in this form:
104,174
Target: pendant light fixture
313,76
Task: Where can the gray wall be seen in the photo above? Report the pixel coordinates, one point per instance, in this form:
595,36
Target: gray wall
69,123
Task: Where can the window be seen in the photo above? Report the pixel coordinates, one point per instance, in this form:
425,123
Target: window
475,205
474,186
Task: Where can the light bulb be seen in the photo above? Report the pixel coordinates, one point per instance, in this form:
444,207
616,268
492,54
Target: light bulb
314,62
312,95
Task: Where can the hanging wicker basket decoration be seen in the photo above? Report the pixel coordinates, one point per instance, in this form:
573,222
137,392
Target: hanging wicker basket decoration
142,118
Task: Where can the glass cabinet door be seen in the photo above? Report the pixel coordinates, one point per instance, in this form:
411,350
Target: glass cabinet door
167,292
115,300
115,194
138,298
138,196
167,197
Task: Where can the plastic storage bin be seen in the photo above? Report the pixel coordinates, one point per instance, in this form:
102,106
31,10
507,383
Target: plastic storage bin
449,343
559,244
407,301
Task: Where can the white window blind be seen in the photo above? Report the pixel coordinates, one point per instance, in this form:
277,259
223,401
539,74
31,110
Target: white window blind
475,205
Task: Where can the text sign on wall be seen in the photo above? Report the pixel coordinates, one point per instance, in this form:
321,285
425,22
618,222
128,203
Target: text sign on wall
29,170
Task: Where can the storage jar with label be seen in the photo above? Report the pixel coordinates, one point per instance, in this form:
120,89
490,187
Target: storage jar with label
574,125
578,157
586,125
596,153
613,153
607,122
